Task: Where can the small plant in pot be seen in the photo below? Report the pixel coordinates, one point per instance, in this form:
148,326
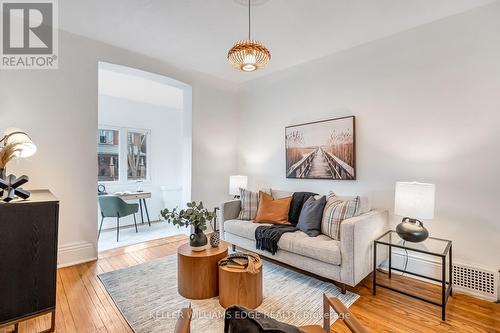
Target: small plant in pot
194,215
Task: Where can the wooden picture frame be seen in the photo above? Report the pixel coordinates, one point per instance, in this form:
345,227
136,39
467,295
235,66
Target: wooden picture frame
324,149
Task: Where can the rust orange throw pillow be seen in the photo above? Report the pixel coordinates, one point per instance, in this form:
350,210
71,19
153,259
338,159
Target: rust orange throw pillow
272,211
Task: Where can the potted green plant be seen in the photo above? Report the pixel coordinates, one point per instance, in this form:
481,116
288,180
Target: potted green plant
194,215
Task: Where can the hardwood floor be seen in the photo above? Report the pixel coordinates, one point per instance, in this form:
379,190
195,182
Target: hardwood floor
83,305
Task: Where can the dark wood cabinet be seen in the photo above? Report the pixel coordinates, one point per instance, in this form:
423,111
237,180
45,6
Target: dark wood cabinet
28,258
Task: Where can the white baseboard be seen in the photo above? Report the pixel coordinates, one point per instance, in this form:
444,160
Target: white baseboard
416,263
424,265
111,225
76,253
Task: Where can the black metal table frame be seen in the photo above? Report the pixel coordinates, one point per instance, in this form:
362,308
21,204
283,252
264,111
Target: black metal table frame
142,202
446,286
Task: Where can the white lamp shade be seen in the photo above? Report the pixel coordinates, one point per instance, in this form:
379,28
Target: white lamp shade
414,200
24,147
236,182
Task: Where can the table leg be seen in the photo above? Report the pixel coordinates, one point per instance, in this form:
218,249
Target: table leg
118,228
451,271
146,209
52,323
374,275
443,288
390,261
140,207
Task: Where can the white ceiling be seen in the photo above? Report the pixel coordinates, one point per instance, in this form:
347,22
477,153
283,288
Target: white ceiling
138,86
197,34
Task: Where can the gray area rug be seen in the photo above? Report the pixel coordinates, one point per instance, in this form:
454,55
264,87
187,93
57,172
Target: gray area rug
147,297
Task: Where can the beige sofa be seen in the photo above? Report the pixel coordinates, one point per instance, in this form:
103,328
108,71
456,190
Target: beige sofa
346,261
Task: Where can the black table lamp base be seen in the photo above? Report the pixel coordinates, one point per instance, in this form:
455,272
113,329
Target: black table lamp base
412,230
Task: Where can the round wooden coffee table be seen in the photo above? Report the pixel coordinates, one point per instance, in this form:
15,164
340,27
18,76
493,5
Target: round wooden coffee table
197,271
239,287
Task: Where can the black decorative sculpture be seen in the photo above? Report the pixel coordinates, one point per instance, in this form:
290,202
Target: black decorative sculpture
12,188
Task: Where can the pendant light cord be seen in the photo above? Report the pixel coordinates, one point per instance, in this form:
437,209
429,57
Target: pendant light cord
249,19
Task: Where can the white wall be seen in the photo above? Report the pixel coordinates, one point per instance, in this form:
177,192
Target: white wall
165,143
427,108
59,110
426,103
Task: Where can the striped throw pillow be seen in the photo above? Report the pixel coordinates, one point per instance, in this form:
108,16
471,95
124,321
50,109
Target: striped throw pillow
337,210
249,203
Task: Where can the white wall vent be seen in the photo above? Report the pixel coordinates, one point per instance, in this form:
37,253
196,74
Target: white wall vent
478,282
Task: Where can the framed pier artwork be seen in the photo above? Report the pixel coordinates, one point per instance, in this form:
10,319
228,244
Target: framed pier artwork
323,149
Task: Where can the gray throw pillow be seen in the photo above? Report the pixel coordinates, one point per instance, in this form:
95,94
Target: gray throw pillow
310,216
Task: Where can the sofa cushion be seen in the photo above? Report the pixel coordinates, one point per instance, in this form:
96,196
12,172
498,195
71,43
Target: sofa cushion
364,203
278,194
321,248
242,228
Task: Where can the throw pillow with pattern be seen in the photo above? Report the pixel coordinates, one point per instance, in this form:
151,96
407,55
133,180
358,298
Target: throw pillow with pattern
249,203
336,211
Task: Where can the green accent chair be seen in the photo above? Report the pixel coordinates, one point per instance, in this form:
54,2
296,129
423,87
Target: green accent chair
113,206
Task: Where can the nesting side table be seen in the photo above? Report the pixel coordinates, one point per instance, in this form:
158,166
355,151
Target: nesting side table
240,287
197,272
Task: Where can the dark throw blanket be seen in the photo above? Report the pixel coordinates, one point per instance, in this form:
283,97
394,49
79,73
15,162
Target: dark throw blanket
267,237
238,319
298,199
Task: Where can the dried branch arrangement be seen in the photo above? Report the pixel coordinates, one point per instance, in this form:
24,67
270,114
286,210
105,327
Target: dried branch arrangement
7,153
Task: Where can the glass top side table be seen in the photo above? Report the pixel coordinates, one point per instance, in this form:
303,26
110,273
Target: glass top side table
437,247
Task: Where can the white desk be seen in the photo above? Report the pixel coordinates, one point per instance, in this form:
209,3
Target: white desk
141,196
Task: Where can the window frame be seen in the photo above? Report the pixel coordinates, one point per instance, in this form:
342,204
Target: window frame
147,132
107,130
110,128
122,154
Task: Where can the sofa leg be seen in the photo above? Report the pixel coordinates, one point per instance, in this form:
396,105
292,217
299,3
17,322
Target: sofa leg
343,288
233,247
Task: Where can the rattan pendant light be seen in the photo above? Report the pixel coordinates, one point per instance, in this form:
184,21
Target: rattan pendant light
248,54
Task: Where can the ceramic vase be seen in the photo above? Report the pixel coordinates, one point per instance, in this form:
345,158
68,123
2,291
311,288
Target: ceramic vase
198,240
215,238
